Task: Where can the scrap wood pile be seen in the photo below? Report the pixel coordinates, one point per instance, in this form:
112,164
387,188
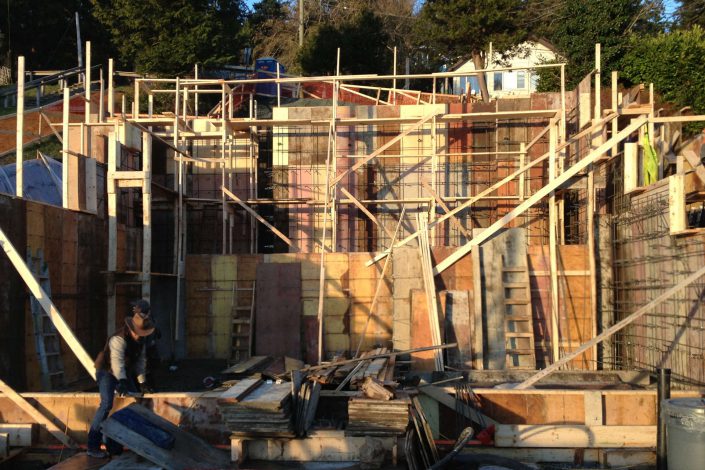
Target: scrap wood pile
287,405
354,374
253,408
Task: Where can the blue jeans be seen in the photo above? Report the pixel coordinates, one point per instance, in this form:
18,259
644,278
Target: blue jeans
107,383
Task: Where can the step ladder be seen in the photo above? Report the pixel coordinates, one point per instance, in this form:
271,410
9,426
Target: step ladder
46,338
518,322
243,313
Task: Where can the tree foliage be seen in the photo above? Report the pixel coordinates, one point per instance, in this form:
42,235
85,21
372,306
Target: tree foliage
170,36
45,32
455,29
673,62
691,13
579,25
361,39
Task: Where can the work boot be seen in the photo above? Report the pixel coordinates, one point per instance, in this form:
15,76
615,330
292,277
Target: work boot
97,454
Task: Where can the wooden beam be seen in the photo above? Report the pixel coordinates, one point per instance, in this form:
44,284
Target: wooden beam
384,147
254,214
87,83
444,399
574,436
613,329
53,129
540,194
37,415
46,303
365,211
65,150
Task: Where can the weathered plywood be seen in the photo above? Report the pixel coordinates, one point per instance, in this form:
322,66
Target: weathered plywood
278,310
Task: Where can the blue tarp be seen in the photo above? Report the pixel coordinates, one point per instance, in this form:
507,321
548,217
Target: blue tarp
39,185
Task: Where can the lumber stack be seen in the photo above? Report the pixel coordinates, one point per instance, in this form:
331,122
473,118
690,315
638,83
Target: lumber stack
263,411
367,417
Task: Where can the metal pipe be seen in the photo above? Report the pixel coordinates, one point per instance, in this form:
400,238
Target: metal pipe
663,393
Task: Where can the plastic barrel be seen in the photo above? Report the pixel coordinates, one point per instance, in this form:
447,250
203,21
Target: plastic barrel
685,433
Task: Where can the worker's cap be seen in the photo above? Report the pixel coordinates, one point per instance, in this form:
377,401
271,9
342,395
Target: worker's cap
142,304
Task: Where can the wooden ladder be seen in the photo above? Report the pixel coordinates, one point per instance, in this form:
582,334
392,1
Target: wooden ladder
518,323
46,338
243,313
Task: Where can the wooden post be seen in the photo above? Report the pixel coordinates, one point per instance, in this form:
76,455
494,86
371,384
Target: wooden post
522,175
113,156
136,102
65,150
88,83
111,91
223,137
146,215
19,140
195,90
394,80
101,104
612,330
598,82
552,247
563,104
615,106
43,299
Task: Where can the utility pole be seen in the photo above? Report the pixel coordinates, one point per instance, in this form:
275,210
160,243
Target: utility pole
301,23
78,42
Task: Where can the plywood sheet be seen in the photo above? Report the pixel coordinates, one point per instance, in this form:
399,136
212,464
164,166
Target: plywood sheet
278,310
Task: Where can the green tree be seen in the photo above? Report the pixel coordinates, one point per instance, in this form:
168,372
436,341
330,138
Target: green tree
45,33
457,29
170,36
362,41
673,62
691,13
579,25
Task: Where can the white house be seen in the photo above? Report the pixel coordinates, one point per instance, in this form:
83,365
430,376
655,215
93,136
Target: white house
503,83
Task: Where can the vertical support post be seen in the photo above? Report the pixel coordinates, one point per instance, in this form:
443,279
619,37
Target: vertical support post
434,178
101,104
552,219
19,140
65,150
522,175
179,221
195,90
150,104
615,107
663,393
113,156
598,81
88,82
279,91
111,91
223,138
394,80
563,105
334,166
146,215
136,105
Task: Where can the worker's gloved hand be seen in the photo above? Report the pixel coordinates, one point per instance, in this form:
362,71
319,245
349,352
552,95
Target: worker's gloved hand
144,388
123,387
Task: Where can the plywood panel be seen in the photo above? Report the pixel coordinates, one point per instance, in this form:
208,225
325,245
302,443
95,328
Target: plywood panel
278,311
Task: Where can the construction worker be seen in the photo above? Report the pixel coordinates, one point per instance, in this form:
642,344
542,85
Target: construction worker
121,361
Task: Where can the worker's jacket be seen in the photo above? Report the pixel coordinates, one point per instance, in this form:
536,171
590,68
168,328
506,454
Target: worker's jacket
123,356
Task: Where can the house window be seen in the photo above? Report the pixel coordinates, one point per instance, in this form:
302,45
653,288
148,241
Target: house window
498,81
521,80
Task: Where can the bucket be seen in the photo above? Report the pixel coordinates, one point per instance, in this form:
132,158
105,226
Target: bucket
685,433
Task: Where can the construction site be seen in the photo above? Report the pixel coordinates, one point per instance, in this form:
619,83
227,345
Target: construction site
349,273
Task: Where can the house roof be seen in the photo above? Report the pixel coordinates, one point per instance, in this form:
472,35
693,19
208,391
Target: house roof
538,40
